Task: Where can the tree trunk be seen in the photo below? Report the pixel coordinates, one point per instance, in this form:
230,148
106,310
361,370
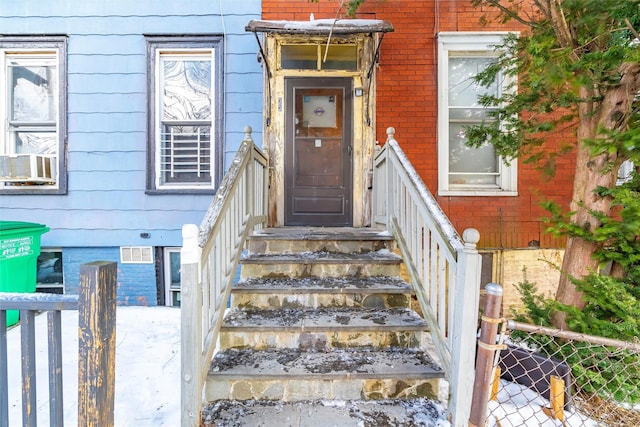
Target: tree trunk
578,258
592,171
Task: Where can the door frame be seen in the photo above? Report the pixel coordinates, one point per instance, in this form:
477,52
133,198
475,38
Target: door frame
364,119
291,84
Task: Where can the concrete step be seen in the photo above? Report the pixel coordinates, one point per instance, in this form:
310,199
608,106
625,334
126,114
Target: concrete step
326,413
312,292
319,239
322,329
321,264
293,374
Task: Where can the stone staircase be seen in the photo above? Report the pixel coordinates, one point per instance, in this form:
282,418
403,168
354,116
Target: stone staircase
322,331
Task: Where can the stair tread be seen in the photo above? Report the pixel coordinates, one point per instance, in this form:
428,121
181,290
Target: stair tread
322,319
352,363
321,233
345,413
379,257
375,284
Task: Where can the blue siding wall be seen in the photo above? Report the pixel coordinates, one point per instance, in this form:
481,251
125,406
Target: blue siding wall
106,206
136,282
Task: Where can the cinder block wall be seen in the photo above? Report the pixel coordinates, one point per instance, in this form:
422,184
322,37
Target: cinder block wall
136,282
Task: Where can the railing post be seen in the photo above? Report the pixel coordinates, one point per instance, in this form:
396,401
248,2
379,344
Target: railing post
56,399
96,343
28,351
486,353
391,132
251,166
191,327
463,330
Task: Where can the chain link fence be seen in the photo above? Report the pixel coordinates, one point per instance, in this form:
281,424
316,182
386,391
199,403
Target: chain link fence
538,376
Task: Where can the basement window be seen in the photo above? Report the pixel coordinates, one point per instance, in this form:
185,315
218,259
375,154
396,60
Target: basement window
136,255
49,276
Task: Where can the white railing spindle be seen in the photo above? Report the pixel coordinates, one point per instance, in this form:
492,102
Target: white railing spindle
209,257
444,269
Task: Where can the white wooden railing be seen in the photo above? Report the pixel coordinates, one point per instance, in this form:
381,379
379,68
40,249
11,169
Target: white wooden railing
444,269
210,256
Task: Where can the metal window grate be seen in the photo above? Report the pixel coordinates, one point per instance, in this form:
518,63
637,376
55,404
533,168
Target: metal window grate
185,154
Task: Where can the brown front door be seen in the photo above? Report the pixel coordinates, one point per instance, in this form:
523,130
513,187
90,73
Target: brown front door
318,134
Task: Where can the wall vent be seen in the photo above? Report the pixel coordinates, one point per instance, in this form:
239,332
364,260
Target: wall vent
136,255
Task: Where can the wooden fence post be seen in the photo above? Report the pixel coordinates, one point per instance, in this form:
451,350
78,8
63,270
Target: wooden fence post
96,343
486,352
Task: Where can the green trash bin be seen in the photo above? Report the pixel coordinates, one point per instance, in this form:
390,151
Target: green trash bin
19,251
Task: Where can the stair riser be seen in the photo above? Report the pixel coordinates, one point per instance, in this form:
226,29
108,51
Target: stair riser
301,389
319,270
265,246
314,300
319,341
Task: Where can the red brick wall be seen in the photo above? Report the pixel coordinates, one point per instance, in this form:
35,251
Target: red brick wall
407,100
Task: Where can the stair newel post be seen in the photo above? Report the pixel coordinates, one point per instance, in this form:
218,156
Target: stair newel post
250,193
462,332
391,132
191,327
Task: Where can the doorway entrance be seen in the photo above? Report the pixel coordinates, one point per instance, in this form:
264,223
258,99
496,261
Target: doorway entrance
318,179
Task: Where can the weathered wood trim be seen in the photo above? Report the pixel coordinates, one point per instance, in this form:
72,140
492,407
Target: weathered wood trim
54,333
27,349
96,343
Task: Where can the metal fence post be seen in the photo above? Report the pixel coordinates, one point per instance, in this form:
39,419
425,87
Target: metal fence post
96,343
486,354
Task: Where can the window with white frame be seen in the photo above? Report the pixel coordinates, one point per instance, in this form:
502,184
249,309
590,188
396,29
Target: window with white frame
185,91
33,109
462,170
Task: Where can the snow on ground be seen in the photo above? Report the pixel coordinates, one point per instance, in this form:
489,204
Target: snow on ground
518,406
147,389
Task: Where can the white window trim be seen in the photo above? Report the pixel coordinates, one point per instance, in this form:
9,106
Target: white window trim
51,49
480,42
185,54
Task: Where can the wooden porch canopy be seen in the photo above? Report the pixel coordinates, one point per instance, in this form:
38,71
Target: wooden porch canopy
320,27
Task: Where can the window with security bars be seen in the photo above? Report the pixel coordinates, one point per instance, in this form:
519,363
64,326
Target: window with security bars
187,101
185,155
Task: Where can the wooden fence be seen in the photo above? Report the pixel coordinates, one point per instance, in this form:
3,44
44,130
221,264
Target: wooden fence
96,305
